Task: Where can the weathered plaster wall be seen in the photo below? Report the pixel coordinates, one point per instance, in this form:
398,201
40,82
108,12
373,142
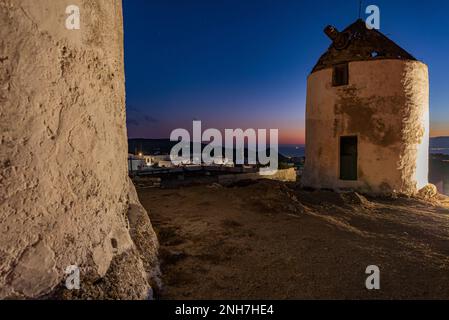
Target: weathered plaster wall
63,147
386,104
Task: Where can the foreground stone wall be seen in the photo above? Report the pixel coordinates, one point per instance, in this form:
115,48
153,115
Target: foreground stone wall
64,195
386,105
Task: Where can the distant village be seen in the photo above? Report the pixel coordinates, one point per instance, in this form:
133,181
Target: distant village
149,163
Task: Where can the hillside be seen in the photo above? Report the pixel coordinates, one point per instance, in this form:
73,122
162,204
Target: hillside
163,146
439,142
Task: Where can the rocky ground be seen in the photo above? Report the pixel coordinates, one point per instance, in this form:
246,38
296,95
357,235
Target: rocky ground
271,240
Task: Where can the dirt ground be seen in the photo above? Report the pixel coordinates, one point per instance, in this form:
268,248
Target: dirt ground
271,240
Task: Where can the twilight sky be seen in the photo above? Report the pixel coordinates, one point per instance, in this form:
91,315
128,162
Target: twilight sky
244,63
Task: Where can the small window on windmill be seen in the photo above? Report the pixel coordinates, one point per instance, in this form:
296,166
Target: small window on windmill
341,75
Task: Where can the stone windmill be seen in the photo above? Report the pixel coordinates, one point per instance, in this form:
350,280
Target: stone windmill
367,115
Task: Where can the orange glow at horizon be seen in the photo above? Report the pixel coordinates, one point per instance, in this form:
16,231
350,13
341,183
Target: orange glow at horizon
438,129
292,136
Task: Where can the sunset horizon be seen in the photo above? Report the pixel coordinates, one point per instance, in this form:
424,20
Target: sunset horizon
190,71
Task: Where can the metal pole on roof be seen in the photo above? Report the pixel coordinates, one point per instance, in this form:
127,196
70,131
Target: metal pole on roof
360,9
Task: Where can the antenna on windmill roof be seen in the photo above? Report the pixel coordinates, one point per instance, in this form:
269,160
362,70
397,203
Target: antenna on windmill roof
360,9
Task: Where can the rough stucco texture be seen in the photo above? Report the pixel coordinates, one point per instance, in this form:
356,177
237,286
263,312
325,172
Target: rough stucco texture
386,105
63,148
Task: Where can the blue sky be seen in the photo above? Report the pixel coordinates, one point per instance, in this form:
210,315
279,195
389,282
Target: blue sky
244,63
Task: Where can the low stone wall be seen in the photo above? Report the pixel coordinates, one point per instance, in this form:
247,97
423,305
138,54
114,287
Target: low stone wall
280,175
147,182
